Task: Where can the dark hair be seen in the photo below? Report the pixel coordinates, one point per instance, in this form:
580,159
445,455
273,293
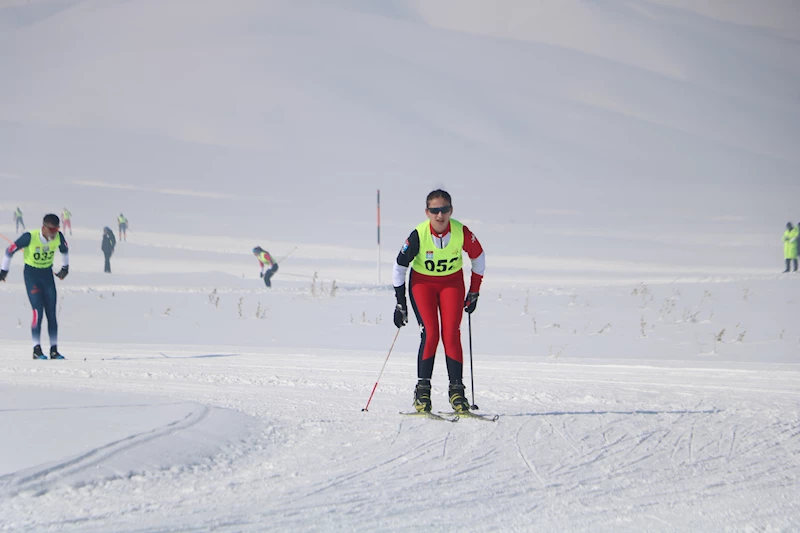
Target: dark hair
438,193
51,220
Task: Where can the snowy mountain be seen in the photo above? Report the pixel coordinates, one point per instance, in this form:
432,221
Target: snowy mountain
628,165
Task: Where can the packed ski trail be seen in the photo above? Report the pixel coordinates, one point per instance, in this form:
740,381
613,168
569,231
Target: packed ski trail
595,446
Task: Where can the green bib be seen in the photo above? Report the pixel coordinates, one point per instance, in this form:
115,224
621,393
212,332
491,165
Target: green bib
433,261
263,258
40,255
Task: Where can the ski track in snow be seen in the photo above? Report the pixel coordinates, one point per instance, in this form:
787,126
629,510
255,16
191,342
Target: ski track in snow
38,480
586,442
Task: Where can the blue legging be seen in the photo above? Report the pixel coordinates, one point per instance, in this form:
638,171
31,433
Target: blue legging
41,286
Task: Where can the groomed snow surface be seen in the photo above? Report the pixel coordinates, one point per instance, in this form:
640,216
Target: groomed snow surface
623,407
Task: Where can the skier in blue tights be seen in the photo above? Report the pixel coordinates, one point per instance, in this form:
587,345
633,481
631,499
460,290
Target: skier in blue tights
39,248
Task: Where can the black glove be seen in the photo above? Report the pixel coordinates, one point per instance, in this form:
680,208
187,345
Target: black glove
260,274
61,274
400,315
401,309
3,274
471,302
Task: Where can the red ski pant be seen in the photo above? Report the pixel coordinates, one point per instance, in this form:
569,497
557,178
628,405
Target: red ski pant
432,296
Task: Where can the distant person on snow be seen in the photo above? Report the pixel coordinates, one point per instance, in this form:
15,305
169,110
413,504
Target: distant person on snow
66,216
790,237
109,242
434,251
123,227
268,265
18,220
39,249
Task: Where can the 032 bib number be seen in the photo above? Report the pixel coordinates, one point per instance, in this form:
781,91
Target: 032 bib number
44,257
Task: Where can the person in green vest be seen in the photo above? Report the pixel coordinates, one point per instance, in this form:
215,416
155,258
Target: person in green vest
434,253
39,247
66,216
790,237
123,227
268,265
18,220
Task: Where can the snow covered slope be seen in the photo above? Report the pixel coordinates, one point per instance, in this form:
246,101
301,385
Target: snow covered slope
629,167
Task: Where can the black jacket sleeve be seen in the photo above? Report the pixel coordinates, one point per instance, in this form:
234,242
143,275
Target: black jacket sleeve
23,241
64,247
409,250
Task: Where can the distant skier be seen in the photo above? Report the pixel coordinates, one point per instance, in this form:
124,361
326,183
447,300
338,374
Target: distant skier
123,227
66,216
434,251
39,249
268,265
790,237
109,243
18,220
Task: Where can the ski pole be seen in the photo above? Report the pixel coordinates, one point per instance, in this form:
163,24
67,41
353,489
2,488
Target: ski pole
6,238
471,371
285,257
382,368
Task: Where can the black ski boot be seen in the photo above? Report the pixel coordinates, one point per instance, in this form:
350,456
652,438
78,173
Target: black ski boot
457,398
422,396
37,352
54,353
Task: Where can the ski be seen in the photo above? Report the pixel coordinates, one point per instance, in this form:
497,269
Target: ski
470,414
432,416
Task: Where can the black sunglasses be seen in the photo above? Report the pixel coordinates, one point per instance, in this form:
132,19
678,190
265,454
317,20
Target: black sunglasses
444,209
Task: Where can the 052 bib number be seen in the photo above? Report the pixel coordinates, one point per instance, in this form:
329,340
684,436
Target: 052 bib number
442,265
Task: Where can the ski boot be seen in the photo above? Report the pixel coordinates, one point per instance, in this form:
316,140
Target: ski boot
457,398
37,352
54,353
422,396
